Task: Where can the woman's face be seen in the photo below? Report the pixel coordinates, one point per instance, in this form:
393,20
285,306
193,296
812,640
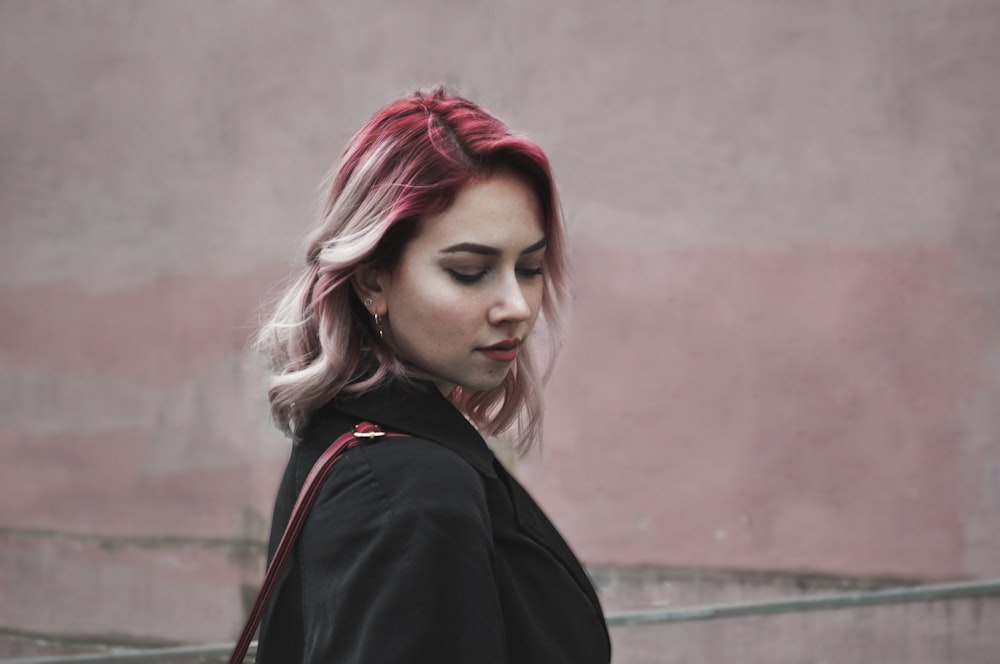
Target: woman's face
468,286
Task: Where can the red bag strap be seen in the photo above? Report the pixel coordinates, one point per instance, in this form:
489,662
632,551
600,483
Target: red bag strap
362,433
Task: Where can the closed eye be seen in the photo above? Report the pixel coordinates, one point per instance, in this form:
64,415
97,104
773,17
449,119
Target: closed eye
467,277
526,273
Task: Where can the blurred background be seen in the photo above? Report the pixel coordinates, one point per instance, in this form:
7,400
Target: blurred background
782,372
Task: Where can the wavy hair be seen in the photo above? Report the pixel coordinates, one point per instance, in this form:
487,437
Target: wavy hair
410,160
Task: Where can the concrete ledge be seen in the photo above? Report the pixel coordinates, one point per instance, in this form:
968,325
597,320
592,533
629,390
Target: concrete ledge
935,632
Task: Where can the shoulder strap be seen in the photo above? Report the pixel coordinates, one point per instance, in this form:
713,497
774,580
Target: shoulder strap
362,433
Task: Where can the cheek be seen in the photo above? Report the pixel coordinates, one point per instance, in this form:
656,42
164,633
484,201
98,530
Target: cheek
443,320
457,315
535,296
435,314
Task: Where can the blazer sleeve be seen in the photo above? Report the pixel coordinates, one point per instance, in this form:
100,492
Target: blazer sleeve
398,563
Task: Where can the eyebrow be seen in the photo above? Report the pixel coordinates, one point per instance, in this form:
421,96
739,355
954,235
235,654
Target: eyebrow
484,250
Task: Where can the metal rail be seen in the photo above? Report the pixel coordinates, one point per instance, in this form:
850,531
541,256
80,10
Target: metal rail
219,650
923,593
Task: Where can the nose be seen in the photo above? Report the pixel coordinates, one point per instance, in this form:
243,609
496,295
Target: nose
511,303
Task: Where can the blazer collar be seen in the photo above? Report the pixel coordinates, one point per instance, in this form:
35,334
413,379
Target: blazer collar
417,408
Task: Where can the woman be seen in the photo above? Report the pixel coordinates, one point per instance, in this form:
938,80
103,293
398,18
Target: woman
440,243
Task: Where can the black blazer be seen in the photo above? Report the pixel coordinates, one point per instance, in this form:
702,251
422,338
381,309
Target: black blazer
423,549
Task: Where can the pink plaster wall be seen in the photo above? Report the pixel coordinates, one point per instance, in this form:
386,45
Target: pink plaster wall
155,333
796,409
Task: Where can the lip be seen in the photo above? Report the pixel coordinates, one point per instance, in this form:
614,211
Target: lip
502,351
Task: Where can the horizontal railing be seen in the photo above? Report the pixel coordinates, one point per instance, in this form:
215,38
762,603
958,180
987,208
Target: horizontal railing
923,593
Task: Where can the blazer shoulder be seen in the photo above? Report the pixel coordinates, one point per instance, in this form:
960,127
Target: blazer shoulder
416,474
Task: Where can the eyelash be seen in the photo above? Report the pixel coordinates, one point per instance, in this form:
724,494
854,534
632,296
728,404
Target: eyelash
462,278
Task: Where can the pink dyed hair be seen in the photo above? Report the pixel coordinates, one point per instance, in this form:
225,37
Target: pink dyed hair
410,160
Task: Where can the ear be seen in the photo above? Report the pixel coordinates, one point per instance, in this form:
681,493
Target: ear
369,285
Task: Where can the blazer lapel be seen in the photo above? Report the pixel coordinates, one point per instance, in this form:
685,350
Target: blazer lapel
533,521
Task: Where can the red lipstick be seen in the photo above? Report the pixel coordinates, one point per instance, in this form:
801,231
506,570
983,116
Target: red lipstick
502,351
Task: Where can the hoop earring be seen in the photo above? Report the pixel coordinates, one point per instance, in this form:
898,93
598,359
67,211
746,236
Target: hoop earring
378,319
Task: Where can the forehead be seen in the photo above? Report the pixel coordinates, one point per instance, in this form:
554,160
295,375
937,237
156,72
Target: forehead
501,212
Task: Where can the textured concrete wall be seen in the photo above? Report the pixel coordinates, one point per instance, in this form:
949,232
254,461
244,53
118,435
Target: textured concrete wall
785,350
